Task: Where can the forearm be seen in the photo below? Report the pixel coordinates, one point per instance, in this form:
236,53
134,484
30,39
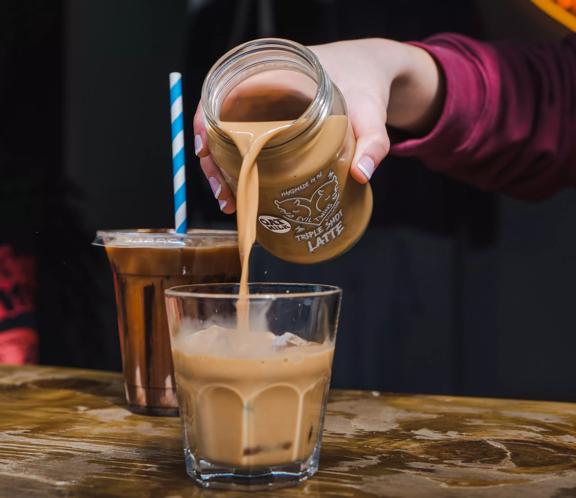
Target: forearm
508,120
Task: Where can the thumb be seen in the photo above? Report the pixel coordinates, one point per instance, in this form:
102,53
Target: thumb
372,141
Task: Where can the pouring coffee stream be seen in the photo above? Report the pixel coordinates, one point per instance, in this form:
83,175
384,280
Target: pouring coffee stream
250,138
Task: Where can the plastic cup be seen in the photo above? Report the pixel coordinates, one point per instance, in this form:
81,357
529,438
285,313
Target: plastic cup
144,263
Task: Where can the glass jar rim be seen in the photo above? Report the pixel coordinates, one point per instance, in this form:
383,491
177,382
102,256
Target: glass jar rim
282,290
316,110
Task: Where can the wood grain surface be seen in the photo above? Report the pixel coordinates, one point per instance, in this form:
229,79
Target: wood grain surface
66,433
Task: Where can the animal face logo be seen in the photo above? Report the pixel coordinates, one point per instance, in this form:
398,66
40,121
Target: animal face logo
313,210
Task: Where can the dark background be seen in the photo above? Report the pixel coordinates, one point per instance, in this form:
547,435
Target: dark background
450,291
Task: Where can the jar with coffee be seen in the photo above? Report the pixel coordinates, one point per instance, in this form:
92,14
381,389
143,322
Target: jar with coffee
270,100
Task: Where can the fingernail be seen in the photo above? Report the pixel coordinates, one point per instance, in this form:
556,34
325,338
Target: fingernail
197,144
215,186
222,204
366,165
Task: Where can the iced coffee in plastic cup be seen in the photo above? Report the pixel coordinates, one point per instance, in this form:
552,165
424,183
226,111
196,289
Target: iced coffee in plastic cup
144,263
252,402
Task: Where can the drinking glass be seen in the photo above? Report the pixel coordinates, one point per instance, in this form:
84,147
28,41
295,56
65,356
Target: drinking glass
252,402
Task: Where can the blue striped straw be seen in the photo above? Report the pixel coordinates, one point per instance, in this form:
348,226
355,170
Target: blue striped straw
178,169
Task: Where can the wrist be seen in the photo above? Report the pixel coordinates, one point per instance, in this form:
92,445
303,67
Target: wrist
416,92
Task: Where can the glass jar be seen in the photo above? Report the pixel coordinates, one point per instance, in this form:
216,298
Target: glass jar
310,209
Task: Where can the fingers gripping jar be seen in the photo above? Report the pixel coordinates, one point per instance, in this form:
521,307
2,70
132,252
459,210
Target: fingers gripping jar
309,209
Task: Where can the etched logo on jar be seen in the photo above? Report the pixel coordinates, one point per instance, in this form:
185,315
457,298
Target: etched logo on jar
274,224
315,209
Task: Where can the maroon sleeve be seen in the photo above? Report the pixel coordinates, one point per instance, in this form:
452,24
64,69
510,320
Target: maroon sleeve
509,117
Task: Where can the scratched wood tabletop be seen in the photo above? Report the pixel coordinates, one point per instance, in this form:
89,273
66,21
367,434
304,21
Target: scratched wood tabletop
66,433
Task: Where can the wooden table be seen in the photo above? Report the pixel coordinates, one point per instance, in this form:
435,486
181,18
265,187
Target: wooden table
66,433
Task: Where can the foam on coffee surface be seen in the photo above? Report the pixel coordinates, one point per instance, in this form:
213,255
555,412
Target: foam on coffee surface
231,343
